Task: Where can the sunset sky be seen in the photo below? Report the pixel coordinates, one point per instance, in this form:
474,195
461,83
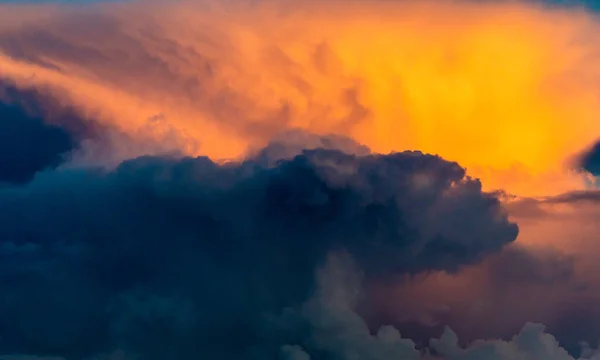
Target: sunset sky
299,180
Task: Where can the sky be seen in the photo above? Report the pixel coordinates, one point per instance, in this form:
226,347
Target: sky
307,180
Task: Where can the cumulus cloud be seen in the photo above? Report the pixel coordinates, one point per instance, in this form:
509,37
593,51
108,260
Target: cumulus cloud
163,251
327,326
125,258
549,276
337,332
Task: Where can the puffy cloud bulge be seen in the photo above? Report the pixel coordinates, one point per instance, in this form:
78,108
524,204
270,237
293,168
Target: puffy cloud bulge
297,181
234,240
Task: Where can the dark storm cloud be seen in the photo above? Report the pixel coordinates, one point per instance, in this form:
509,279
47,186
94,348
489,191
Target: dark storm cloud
28,145
590,159
170,257
30,140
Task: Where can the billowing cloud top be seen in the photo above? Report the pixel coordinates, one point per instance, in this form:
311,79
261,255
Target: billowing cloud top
236,239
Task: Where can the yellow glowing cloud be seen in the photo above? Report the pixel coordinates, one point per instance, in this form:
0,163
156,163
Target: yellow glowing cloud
507,90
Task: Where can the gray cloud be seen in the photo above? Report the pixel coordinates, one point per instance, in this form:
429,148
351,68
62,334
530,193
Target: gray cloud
162,252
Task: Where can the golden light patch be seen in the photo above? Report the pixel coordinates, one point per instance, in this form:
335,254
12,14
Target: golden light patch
507,90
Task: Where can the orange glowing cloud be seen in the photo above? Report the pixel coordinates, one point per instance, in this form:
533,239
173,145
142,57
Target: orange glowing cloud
508,90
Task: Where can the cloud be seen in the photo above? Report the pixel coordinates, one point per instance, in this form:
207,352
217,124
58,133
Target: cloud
231,76
337,332
110,254
548,275
29,144
41,132
168,255
480,301
532,343
327,326
590,160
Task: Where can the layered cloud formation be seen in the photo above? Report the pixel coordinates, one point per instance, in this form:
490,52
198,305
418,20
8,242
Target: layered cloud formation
246,181
229,76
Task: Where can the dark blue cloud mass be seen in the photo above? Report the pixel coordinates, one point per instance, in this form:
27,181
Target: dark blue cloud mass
172,257
31,142
590,159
